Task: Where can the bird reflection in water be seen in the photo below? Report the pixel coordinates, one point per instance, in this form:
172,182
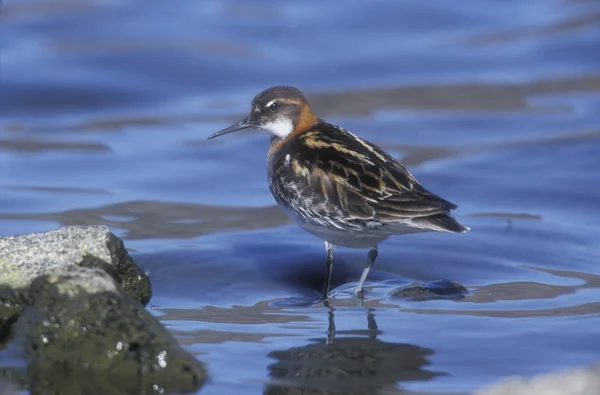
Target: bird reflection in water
348,363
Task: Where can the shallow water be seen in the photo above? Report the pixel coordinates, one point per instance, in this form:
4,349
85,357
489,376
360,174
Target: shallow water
104,110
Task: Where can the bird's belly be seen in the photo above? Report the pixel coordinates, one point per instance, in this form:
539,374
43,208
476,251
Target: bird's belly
351,238
324,229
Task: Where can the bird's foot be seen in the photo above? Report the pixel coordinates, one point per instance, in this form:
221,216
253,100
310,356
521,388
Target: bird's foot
345,292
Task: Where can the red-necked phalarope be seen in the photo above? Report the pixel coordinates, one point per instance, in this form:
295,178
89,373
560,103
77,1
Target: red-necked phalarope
337,186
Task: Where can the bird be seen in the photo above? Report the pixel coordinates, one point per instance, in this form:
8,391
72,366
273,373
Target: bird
337,186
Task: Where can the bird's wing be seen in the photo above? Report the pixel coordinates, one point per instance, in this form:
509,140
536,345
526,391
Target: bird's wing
360,178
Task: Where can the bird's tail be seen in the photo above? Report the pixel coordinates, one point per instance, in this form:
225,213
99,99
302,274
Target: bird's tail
441,223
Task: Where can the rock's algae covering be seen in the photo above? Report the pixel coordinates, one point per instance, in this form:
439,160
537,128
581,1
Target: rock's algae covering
72,305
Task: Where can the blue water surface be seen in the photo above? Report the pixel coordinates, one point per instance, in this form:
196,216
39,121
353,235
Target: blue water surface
105,107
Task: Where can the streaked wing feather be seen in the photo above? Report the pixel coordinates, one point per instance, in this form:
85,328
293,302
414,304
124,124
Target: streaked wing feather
360,178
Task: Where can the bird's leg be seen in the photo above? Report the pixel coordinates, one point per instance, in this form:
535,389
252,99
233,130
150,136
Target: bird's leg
370,260
329,262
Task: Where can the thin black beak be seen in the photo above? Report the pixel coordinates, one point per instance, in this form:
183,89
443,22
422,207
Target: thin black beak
243,124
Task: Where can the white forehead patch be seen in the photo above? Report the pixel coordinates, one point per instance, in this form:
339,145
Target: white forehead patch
280,127
287,159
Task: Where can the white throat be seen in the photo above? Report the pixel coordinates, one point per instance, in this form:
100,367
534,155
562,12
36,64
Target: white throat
281,127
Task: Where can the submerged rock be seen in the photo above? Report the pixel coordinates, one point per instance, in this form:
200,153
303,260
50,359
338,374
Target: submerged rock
72,302
440,289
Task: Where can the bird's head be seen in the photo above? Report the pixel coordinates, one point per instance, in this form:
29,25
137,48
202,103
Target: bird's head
279,110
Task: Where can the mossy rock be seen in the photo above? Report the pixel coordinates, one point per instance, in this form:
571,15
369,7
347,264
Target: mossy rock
100,343
72,302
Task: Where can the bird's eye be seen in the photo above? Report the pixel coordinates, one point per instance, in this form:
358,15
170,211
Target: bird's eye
273,106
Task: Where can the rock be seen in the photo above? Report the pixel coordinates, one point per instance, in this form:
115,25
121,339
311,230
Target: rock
584,381
25,258
440,289
72,301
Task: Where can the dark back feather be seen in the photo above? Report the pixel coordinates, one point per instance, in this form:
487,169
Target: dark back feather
328,168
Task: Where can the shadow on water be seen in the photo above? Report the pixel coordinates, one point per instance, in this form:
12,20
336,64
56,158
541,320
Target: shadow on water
347,363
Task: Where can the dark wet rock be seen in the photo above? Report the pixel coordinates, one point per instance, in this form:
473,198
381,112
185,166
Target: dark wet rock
102,337
440,289
72,304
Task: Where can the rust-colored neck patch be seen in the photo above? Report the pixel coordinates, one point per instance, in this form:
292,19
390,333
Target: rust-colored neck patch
306,119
